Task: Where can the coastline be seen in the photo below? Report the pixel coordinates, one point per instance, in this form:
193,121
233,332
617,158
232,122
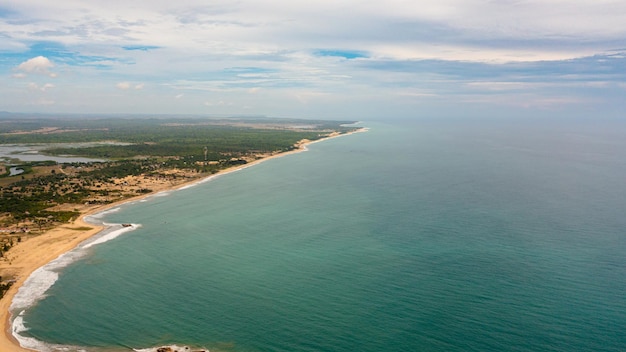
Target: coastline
28,256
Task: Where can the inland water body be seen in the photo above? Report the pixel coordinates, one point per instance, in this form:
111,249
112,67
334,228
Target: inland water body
34,152
498,235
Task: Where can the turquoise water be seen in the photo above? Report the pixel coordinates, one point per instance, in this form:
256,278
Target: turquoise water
415,236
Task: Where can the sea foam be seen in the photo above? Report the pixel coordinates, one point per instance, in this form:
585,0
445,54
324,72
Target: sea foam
110,235
38,283
27,342
41,280
95,217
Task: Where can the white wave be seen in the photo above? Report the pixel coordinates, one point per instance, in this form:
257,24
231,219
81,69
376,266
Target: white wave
94,217
106,212
188,186
111,235
39,282
207,179
162,194
34,344
26,342
34,288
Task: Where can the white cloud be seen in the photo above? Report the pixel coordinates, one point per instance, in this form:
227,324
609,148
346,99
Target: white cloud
128,85
123,85
217,103
43,88
38,65
250,27
252,53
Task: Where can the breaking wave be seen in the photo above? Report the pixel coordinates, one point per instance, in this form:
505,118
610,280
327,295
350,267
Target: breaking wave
41,280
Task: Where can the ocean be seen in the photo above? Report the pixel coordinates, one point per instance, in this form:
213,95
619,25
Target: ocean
417,235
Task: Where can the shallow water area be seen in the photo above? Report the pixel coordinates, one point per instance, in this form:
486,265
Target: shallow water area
35,152
14,171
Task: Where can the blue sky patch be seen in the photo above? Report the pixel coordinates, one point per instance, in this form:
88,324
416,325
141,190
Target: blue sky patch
248,70
346,54
141,47
6,13
59,54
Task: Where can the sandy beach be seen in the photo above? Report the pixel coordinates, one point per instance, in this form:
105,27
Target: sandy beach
26,257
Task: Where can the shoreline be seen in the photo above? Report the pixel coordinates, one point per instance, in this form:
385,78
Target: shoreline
30,255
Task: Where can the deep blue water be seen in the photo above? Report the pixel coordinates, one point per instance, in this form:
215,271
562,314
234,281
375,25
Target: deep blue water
480,235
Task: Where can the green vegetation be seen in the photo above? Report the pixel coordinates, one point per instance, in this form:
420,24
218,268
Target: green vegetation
4,287
80,228
234,133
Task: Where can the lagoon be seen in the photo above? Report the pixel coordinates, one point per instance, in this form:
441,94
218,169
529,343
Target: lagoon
36,152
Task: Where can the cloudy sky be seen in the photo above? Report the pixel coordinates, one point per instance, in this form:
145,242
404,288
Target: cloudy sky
315,59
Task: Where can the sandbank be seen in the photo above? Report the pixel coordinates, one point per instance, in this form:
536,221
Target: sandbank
29,255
